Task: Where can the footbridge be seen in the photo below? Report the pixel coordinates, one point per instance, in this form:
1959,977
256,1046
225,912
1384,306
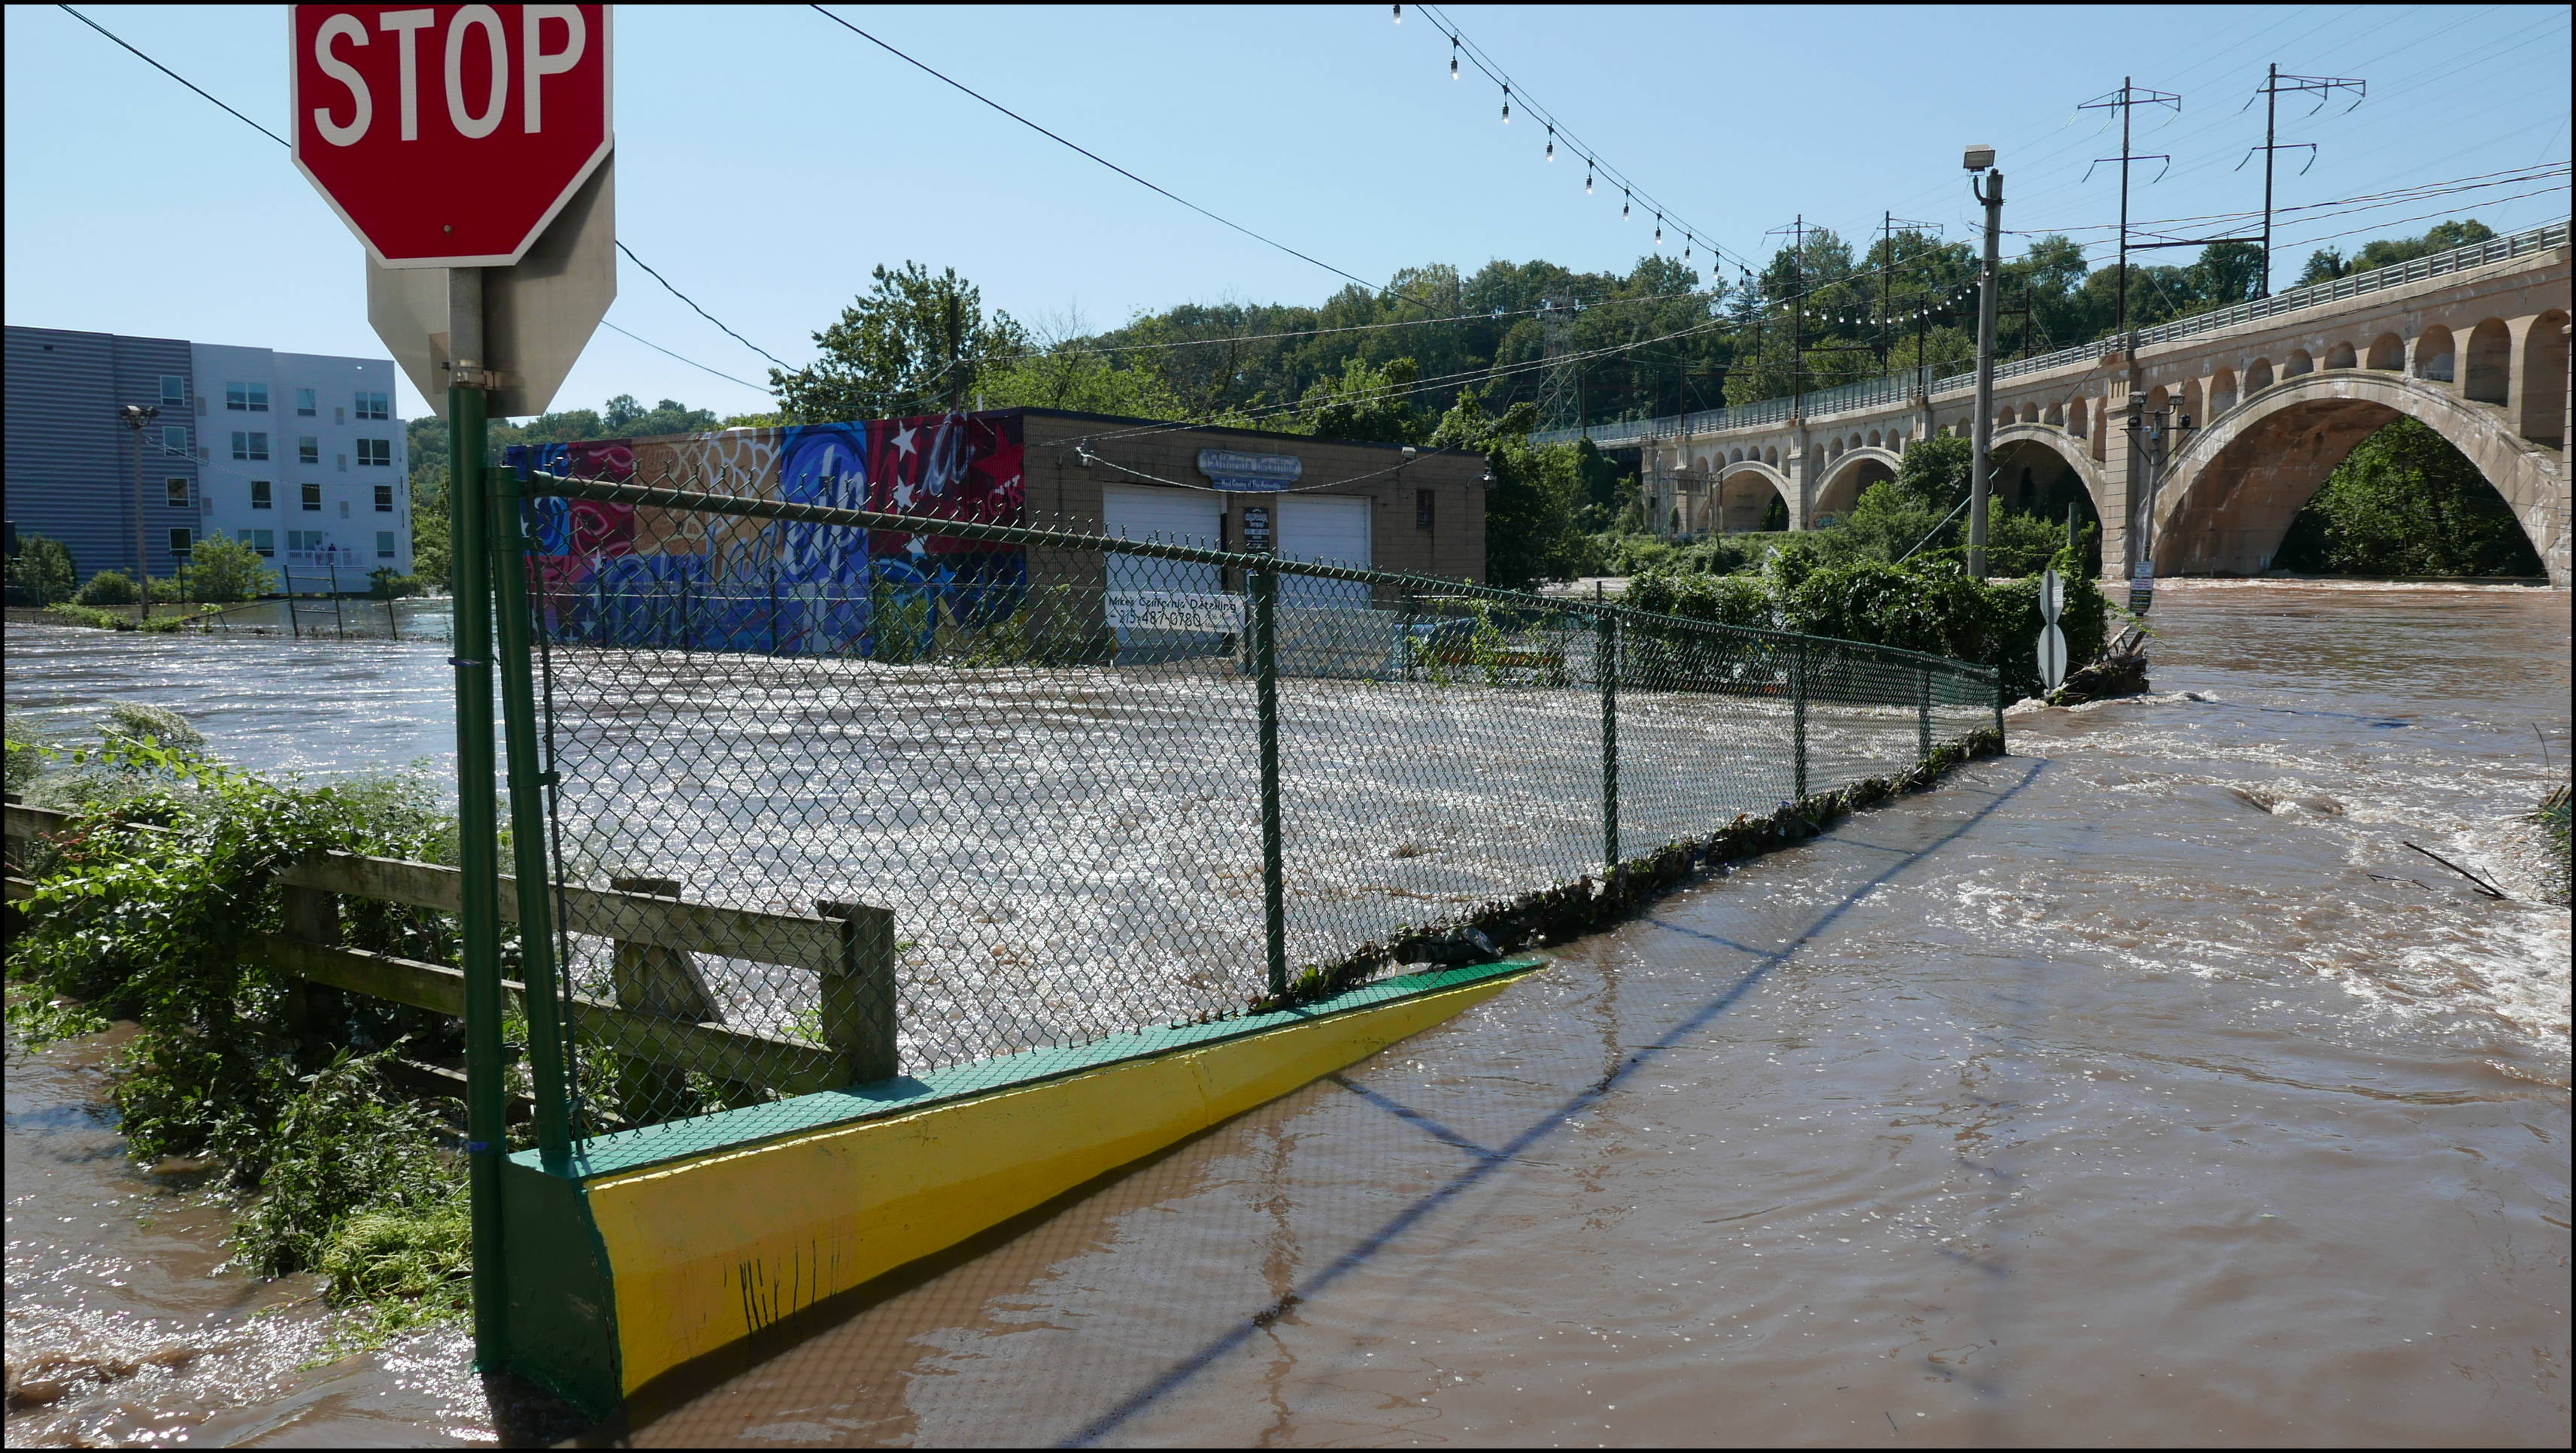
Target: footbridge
2473,342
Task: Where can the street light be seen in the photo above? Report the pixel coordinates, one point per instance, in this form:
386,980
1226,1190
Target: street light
134,417
1988,189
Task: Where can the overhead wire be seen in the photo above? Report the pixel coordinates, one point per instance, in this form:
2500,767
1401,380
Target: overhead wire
1074,146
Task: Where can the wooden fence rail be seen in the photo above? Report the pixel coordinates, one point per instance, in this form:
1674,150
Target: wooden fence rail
663,1020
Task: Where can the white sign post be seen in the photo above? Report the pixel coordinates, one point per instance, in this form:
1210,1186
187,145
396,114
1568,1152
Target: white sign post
2052,641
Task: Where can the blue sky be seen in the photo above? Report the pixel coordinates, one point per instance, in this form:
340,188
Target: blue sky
767,159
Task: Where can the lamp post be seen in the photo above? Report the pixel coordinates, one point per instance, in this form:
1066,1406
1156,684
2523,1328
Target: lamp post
134,417
1989,281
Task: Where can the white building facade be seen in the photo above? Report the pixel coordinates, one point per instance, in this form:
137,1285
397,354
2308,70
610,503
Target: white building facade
301,457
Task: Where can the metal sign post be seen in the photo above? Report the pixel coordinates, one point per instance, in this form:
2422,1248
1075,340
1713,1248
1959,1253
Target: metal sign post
482,190
2052,641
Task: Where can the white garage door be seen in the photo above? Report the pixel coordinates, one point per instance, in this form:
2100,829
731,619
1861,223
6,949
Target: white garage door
1166,607
1330,529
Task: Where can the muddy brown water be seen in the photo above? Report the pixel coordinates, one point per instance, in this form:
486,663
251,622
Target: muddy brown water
2143,1087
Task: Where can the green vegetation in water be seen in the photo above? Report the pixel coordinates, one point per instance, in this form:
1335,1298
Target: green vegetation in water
2551,818
145,908
2405,502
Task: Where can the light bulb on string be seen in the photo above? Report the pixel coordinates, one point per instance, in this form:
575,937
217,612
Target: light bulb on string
1507,103
1453,57
1551,143
1399,15
1623,204
1587,176
1659,229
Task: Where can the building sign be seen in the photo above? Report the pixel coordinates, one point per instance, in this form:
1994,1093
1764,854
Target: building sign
1259,473
1191,612
1256,529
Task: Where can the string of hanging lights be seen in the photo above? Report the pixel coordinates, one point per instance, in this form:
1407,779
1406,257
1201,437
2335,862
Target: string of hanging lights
1694,242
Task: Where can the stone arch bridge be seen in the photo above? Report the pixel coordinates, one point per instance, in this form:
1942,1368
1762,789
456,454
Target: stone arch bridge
2472,342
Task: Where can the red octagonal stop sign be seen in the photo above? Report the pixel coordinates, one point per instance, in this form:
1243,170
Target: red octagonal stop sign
450,135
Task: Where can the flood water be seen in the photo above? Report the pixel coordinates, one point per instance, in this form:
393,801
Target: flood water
2143,1087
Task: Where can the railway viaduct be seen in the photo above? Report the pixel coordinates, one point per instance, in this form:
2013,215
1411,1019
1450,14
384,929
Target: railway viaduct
2472,342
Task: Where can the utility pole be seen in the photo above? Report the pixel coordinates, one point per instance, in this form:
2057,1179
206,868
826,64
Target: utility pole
1989,282
956,352
134,417
2274,83
2125,100
1559,394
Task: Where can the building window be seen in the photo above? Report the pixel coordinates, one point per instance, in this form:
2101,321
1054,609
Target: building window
308,450
306,540
312,496
182,541
384,544
262,541
175,492
174,390
374,405
174,439
1422,509
304,403
246,397
378,452
259,495
250,445
384,499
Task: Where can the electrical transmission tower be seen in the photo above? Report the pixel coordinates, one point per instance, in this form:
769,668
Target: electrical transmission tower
2274,84
1560,388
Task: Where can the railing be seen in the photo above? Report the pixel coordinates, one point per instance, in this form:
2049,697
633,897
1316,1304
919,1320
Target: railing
655,1015
1901,387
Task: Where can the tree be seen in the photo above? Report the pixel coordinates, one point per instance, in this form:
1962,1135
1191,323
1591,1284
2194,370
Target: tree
42,572
1370,405
2404,502
2328,263
221,569
1530,503
912,344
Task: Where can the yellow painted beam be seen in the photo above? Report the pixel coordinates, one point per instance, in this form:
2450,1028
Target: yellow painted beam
705,1252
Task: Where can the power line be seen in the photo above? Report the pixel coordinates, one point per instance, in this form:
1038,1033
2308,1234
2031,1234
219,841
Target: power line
173,75
1104,161
691,362
703,313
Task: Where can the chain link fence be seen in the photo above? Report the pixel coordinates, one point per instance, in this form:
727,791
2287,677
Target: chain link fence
931,793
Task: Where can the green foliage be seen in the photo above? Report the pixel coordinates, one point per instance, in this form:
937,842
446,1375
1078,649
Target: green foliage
113,620
142,911
386,583
2404,502
42,572
1081,382
1530,506
221,569
2328,263
909,345
1369,404
109,587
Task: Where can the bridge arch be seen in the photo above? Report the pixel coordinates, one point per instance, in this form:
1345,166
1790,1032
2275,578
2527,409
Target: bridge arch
2433,355
2300,365
2486,373
2258,376
2222,391
1850,477
2341,355
2543,373
2048,455
1744,495
2387,354
2237,485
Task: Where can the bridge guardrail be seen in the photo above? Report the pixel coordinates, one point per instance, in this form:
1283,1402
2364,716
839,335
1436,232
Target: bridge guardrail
1890,388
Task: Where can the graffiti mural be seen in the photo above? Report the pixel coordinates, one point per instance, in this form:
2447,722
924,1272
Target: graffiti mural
617,575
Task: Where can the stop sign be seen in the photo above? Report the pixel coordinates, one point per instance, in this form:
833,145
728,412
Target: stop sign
449,135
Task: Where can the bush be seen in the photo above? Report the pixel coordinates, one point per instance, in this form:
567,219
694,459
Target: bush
227,570
42,572
385,584
109,587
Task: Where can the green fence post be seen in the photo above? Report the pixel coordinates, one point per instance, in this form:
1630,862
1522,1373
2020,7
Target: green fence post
1923,712
528,836
478,846
1798,720
1265,681
1606,666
